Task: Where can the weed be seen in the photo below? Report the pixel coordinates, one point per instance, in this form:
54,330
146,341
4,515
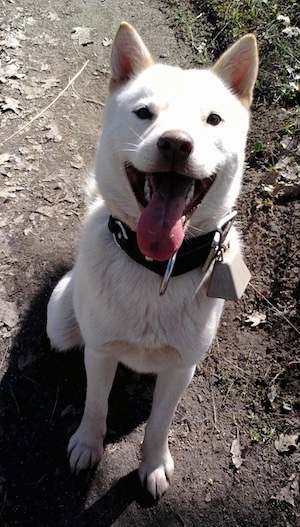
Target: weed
218,24
186,22
257,147
261,431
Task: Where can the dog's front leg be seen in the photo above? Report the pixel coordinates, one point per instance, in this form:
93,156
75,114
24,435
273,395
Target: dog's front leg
157,465
85,447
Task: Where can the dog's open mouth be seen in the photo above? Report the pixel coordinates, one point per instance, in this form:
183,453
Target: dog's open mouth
168,200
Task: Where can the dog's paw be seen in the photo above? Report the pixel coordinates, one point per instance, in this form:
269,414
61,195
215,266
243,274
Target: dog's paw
83,453
157,475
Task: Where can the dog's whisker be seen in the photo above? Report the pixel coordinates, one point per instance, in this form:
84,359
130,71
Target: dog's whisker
132,130
135,133
118,150
190,230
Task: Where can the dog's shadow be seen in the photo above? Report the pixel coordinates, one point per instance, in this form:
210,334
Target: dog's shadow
42,399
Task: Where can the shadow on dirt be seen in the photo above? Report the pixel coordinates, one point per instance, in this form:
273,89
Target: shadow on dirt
42,398
41,403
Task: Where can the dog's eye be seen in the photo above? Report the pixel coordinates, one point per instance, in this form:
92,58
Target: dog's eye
143,113
213,119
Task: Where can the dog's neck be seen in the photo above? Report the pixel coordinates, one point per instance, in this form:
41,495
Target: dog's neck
193,253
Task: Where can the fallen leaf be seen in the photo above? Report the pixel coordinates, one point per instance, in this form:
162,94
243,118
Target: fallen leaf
286,443
83,35
53,133
8,313
286,142
292,31
19,163
45,210
9,191
53,17
269,189
287,406
236,452
285,190
10,42
272,394
106,42
288,173
285,19
289,492
255,319
30,21
32,92
10,104
49,83
4,158
77,161
10,72
287,168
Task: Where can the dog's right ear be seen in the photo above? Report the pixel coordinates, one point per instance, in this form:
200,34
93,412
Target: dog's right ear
129,56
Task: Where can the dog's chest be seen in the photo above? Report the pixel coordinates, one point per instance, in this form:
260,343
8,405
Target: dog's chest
117,300
141,358
146,331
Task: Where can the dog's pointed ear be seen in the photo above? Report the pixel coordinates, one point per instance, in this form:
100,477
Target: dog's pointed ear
129,56
238,67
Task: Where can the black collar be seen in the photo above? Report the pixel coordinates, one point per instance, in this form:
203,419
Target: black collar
193,252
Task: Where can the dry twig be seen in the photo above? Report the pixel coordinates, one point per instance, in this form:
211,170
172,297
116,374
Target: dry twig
47,107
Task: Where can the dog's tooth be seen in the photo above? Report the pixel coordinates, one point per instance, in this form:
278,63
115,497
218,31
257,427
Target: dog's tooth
183,218
147,189
190,194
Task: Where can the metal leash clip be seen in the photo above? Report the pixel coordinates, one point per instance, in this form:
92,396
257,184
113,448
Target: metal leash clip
215,252
167,275
220,235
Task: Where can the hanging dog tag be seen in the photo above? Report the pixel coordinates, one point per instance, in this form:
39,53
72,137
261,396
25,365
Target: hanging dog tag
167,275
230,276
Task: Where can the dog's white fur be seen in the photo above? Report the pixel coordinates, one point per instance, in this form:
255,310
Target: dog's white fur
110,304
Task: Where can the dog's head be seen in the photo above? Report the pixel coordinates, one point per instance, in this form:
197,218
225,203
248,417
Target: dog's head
171,154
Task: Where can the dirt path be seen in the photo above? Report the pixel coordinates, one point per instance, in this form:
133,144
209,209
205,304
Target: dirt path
246,389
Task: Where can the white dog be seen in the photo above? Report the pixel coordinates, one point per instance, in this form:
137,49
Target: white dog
169,167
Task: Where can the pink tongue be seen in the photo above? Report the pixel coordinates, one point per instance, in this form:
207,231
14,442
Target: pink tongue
160,232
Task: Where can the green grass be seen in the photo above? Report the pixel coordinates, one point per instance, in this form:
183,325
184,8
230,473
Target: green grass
210,26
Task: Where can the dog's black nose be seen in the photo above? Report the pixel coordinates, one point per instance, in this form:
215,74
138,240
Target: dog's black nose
175,145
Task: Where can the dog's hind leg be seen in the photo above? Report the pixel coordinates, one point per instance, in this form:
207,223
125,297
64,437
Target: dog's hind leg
62,326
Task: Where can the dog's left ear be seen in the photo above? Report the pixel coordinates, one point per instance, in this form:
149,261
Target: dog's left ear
129,56
238,67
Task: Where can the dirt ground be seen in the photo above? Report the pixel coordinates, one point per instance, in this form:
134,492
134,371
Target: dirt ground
235,435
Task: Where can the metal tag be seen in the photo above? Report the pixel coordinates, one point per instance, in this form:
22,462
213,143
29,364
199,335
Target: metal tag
167,275
230,276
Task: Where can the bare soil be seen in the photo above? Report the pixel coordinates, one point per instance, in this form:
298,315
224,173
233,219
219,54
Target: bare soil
244,395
